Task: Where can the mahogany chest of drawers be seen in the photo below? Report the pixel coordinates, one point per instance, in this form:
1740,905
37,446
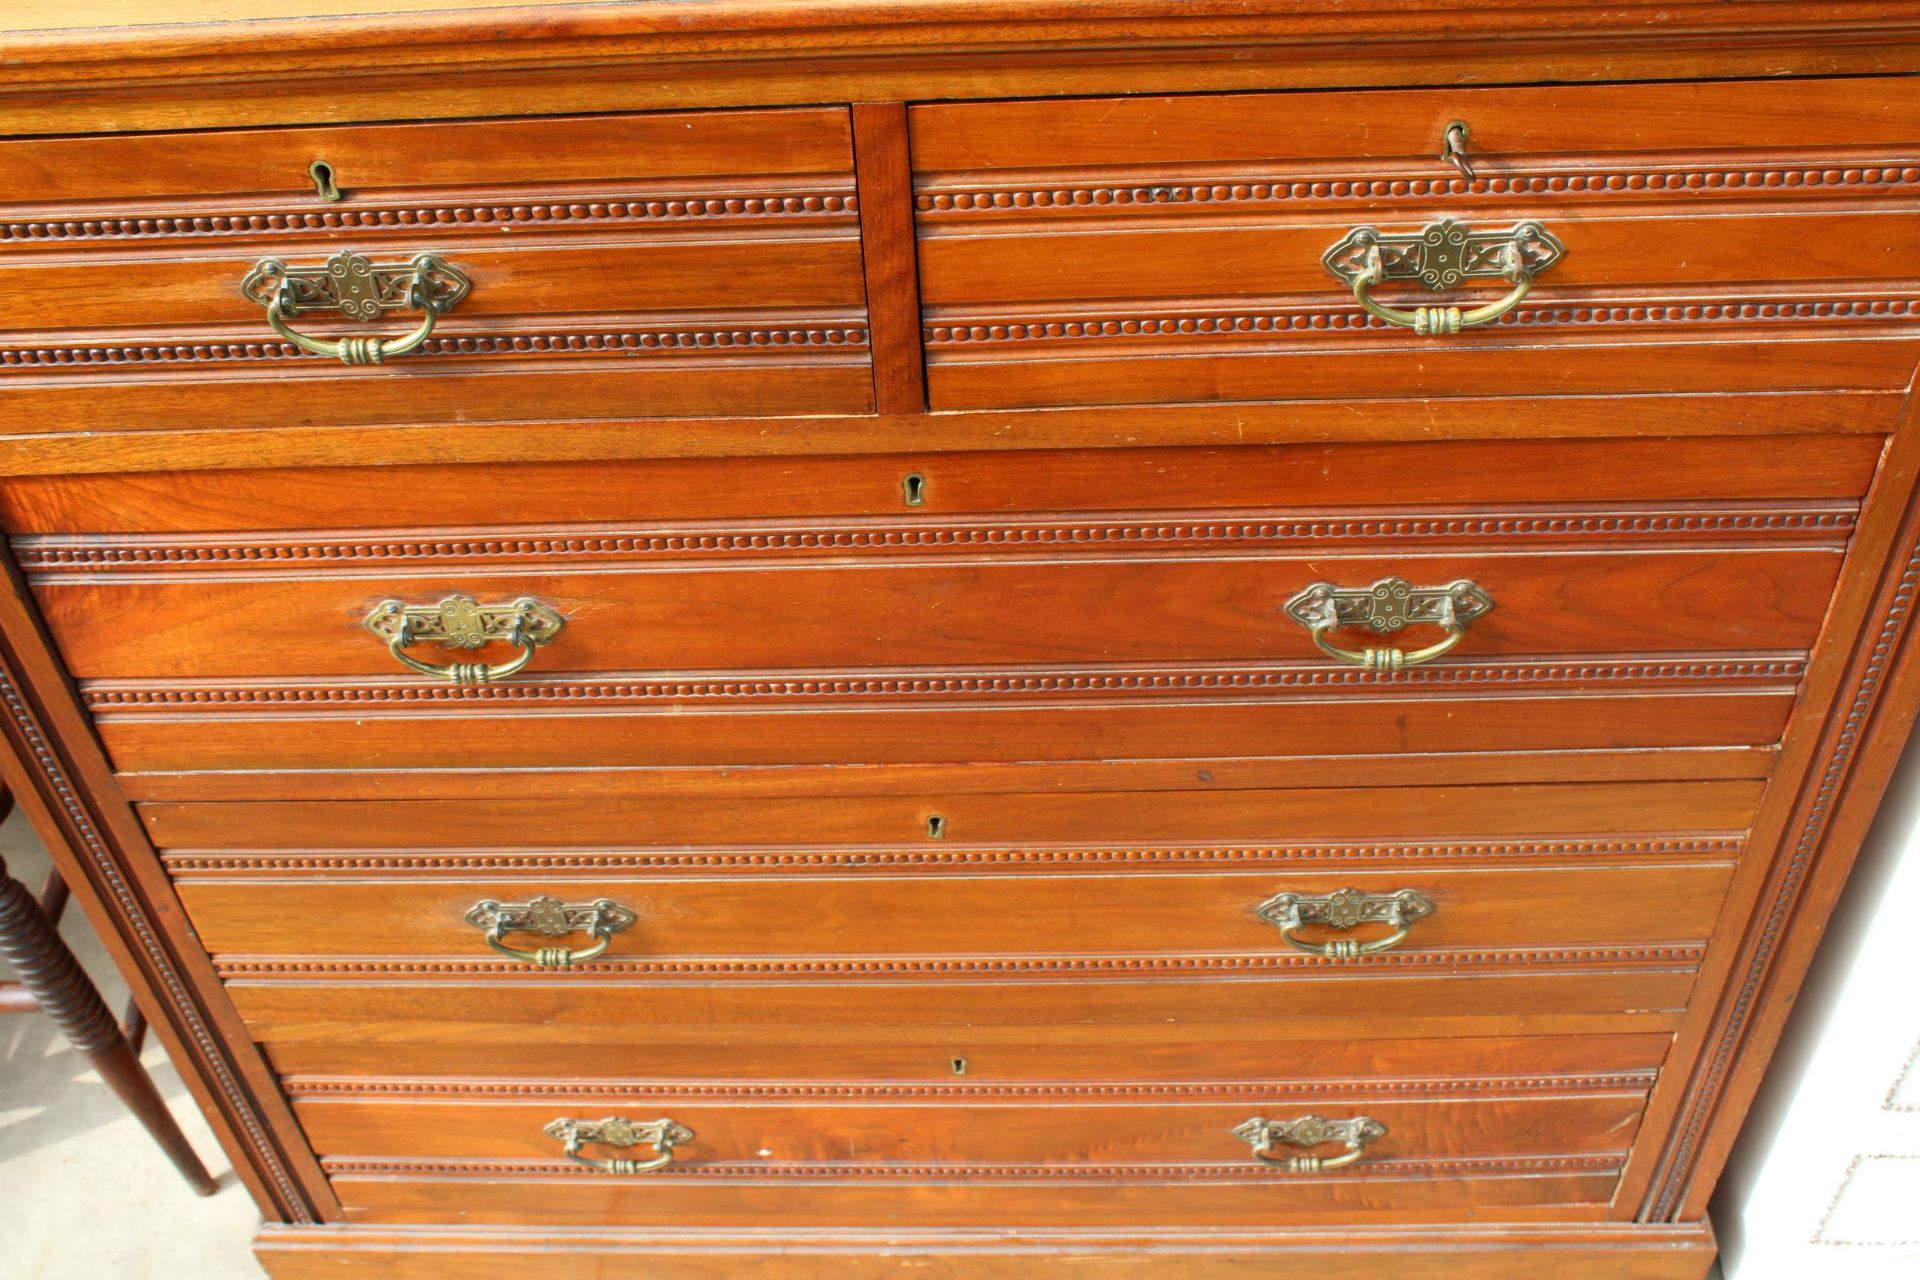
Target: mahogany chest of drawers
981,638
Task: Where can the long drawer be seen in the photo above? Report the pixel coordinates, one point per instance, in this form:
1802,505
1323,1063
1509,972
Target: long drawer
951,1156
1570,908
1170,249
617,266
658,924
996,631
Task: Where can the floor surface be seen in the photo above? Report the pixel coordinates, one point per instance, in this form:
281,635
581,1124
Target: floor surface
84,1193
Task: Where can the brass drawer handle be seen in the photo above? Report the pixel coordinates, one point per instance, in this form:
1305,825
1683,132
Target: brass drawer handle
1344,909
1309,1131
459,623
551,918
661,1135
1440,257
1385,607
350,285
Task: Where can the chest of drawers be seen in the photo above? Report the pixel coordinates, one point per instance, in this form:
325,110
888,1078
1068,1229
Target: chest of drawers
976,639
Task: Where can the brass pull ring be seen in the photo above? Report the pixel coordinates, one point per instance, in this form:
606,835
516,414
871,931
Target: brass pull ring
350,285
1442,256
1385,607
460,623
354,350
661,1135
1345,909
1309,1131
551,918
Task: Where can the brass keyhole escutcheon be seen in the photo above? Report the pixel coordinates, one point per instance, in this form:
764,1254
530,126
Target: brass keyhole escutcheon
913,489
324,185
959,1066
936,827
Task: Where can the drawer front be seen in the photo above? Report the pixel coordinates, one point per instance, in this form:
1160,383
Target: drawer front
831,634
667,921
619,266
1106,251
1552,926
946,1154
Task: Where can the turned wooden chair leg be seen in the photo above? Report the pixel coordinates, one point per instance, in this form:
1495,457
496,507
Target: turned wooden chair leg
62,989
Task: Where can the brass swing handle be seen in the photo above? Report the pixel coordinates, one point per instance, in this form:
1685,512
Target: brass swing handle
458,622
1309,1131
1383,608
1442,256
551,918
350,285
661,1135
1345,909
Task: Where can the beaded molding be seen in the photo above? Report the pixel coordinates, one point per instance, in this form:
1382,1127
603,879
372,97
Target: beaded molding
978,198
730,1170
257,968
596,1092
211,1050
834,206
188,863
53,552
200,699
1704,1097
1307,317
624,342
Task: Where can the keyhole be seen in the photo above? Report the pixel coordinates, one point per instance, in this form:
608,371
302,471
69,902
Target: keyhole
914,489
959,1066
936,827
323,184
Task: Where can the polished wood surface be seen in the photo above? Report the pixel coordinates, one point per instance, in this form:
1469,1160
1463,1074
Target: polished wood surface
922,416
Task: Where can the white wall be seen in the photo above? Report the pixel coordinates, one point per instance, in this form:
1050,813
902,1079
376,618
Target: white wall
1826,1177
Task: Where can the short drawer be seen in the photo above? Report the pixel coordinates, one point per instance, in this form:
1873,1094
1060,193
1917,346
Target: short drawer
617,266
1139,250
946,1154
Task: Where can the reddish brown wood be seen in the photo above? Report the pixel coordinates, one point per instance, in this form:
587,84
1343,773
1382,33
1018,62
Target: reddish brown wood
1369,813
1701,459
992,779
376,917
885,175
1427,1252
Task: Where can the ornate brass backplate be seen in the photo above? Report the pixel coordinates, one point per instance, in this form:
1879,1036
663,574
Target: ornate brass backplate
460,622
1387,605
614,1131
550,918
1345,909
356,287
1309,1131
1443,255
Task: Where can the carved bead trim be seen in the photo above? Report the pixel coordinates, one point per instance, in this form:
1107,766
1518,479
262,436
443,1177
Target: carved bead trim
597,1091
257,968
742,1170
1307,318
305,699
209,1047
621,342
51,552
1705,1095
187,864
1109,195
809,205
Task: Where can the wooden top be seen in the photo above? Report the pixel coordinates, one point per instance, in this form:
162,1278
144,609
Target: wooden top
36,33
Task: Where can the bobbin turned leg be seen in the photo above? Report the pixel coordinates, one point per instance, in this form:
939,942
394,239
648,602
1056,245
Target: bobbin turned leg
62,989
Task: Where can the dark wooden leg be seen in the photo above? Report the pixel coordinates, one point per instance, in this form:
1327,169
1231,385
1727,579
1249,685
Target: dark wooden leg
49,972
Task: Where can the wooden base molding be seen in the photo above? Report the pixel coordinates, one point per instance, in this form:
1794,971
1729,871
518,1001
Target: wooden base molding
1417,1253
